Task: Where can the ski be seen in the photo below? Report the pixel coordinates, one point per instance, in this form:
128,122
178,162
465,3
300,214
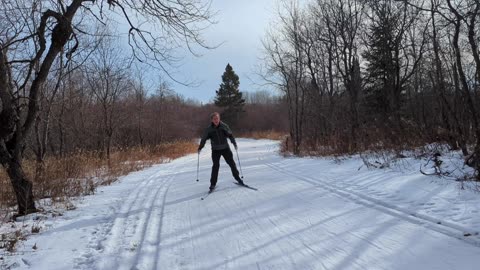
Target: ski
245,186
209,192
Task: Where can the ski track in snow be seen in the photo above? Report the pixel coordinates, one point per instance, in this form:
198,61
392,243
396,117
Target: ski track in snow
439,225
307,214
132,235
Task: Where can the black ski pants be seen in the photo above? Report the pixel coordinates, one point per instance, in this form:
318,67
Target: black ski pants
228,156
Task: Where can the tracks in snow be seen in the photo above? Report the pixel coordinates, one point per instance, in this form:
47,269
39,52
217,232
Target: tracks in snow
130,237
441,226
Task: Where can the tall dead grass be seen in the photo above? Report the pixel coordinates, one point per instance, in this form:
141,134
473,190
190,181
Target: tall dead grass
80,173
268,134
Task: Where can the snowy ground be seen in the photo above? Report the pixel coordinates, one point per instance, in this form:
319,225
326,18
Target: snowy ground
307,214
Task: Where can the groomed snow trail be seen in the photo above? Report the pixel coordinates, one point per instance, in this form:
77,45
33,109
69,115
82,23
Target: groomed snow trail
307,214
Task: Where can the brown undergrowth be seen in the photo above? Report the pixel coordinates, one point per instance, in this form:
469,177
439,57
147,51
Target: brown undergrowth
269,134
60,178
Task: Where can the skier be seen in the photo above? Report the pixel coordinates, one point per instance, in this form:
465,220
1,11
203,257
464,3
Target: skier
218,132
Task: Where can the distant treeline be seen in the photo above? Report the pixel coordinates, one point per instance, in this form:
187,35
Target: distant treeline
109,108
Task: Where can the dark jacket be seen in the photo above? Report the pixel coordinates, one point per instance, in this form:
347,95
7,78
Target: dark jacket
218,136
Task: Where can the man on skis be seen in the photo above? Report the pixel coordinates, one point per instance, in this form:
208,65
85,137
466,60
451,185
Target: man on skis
218,132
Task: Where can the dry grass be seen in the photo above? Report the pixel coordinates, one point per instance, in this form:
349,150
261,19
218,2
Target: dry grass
9,241
80,173
368,139
269,134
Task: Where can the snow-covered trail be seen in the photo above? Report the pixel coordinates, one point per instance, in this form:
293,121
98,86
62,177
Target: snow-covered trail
307,214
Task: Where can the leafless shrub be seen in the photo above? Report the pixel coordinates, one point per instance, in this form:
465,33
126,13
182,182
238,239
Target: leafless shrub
9,241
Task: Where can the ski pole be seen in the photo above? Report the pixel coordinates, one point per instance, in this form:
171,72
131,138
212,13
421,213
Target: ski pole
239,164
198,164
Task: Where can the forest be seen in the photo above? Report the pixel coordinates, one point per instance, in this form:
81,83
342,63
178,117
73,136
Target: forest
362,75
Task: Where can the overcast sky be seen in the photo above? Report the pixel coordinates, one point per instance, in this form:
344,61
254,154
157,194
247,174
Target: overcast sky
240,26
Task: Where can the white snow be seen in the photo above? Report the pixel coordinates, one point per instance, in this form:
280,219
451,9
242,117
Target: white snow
309,213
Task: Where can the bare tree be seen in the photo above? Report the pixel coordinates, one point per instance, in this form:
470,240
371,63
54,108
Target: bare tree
345,23
260,97
285,57
466,15
140,97
26,58
108,80
451,121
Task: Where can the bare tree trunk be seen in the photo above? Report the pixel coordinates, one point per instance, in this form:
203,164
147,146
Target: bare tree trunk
42,124
22,187
11,143
12,146
474,159
458,139
472,39
61,128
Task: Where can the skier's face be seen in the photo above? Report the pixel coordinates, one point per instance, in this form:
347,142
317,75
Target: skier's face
216,120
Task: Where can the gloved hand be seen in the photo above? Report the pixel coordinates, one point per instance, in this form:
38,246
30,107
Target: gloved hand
199,149
236,147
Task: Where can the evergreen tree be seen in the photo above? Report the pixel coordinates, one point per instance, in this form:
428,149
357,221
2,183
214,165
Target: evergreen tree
383,58
229,97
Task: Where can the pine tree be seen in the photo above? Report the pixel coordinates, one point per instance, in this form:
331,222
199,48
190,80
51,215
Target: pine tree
380,60
229,97
383,56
